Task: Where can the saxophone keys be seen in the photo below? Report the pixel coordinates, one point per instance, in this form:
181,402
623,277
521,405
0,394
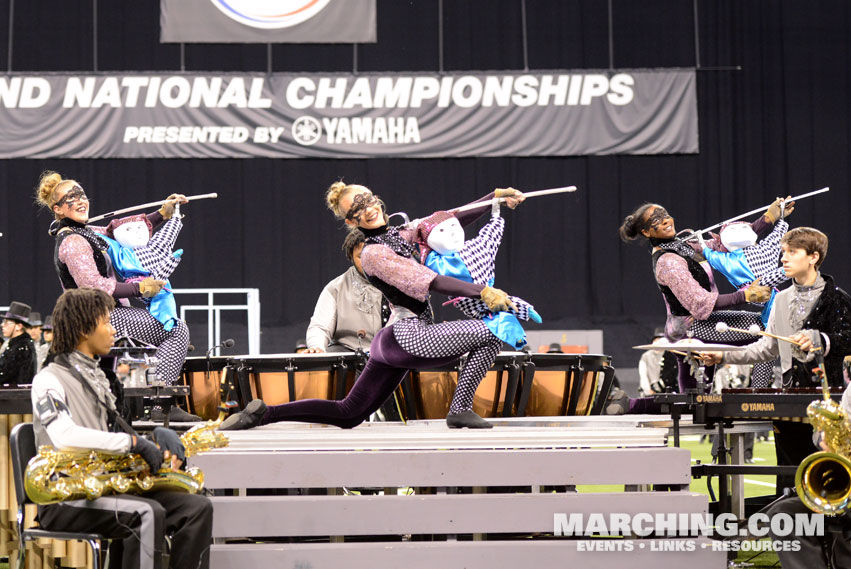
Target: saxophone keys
145,482
93,487
119,483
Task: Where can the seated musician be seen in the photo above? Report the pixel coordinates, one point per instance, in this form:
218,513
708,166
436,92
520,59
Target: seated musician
17,362
349,310
814,313
73,409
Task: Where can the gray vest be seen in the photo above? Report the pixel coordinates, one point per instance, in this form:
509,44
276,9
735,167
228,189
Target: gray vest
85,409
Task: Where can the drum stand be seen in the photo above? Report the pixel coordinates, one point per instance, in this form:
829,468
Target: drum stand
698,369
142,382
139,357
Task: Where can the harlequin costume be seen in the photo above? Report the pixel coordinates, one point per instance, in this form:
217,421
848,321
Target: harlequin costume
155,259
694,305
760,261
411,341
81,259
475,262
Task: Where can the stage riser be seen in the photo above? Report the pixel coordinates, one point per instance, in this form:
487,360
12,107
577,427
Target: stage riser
268,516
405,438
555,554
336,469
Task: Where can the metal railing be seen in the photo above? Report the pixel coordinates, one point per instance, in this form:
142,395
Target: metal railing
214,313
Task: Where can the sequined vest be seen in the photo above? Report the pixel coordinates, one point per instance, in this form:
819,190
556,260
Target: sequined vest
389,236
697,272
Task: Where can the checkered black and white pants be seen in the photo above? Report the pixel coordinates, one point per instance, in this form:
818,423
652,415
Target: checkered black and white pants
762,374
453,338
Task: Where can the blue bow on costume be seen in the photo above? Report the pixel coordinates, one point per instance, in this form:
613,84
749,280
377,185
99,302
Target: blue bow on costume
127,266
503,325
451,265
734,266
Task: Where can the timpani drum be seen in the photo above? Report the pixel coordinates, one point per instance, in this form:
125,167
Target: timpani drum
519,384
433,391
203,377
566,384
276,378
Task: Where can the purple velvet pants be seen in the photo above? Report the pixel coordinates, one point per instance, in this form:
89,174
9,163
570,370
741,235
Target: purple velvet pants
388,363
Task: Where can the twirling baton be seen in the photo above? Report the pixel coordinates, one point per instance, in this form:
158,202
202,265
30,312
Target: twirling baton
147,205
525,194
748,214
493,201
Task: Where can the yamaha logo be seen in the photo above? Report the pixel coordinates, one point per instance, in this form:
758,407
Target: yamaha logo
270,14
710,399
307,130
757,407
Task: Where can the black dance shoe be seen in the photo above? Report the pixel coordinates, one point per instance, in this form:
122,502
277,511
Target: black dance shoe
178,415
618,402
175,414
245,419
467,419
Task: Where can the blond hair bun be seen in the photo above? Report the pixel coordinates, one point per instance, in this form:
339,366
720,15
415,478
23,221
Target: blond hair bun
333,195
47,184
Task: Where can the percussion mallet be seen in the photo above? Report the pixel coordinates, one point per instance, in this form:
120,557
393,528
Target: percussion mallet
753,330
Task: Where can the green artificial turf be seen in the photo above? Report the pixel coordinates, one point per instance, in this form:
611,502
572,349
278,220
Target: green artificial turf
754,486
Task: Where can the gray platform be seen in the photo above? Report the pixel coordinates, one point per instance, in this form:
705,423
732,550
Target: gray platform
555,554
522,452
260,516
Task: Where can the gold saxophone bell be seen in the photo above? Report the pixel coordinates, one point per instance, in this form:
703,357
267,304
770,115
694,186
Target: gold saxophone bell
823,482
823,479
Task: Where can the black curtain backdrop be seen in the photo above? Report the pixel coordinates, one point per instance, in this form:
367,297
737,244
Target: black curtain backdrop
777,126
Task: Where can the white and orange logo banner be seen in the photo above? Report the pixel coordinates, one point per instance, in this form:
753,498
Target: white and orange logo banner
267,21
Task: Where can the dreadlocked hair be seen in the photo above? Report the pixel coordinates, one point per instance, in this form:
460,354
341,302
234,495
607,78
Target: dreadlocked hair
353,238
76,313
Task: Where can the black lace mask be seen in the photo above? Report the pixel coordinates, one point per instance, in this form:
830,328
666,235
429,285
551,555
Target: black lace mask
361,203
73,195
660,214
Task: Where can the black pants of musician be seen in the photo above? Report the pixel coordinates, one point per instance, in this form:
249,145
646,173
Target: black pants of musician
793,442
138,525
814,551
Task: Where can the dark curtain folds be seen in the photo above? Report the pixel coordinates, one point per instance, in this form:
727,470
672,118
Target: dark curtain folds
778,126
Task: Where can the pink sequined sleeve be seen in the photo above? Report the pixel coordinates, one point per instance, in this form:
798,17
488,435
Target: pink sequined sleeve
672,271
76,253
403,273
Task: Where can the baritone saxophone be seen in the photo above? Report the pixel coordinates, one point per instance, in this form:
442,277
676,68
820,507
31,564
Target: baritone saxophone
56,476
823,479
